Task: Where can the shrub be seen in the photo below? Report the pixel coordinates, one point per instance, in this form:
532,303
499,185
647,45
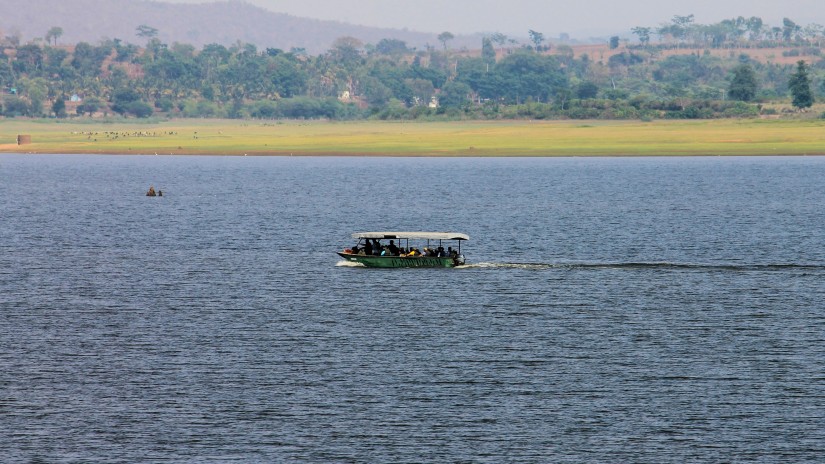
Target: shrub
617,94
165,104
200,109
264,110
139,109
741,110
16,107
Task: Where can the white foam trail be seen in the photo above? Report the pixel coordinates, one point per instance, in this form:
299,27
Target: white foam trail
505,266
348,264
655,265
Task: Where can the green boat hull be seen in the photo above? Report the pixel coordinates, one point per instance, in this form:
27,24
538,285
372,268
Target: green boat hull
398,261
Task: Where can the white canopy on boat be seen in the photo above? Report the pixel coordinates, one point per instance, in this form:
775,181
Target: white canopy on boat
412,235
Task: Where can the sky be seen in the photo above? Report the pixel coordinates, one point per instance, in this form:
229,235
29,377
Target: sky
551,17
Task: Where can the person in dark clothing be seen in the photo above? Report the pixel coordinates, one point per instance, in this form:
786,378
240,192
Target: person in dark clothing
367,248
392,248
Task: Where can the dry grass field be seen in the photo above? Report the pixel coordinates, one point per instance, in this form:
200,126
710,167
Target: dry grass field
473,138
776,55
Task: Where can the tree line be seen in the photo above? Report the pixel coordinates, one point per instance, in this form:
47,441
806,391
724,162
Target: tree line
739,32
389,80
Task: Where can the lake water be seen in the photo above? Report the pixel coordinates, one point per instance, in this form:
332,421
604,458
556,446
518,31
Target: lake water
613,310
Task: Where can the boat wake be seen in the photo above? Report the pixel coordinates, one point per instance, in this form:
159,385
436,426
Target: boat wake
665,266
348,264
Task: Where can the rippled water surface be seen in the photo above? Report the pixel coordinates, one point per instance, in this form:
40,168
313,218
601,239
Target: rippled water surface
612,310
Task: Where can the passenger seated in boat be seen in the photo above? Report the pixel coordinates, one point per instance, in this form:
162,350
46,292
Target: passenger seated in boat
393,249
452,253
354,250
440,253
376,247
367,247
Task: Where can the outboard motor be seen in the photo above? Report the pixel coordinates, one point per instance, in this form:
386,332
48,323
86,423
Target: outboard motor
459,260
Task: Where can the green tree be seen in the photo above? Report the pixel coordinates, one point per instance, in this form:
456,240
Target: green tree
7,76
614,42
587,90
122,98
755,27
124,52
54,33
146,32
36,90
287,77
800,86
376,92
29,59
488,53
743,85
537,38
139,109
499,38
347,51
59,108
643,33
679,93
422,91
88,59
681,26
445,37
91,105
54,59
525,76
393,47
455,95
16,106
562,96
789,29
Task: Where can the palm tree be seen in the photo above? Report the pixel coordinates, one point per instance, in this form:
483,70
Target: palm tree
54,33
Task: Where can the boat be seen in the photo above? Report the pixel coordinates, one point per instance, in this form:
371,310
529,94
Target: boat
406,249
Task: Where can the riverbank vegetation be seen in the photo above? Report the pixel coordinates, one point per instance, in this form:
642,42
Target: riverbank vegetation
739,68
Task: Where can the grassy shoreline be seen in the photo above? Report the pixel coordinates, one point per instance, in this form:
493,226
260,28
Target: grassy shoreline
376,138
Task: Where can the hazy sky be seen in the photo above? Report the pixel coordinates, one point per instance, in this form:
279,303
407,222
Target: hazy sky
551,17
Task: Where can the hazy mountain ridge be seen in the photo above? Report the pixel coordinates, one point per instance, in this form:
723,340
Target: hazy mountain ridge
196,24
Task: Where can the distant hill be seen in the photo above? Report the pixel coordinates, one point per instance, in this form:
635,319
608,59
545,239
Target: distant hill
197,24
